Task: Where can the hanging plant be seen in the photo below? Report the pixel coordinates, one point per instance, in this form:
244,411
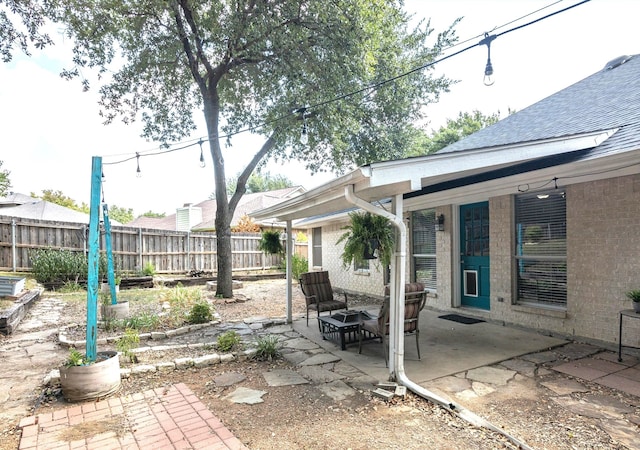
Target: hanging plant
270,242
367,235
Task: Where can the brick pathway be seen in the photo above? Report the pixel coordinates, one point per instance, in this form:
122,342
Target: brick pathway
159,419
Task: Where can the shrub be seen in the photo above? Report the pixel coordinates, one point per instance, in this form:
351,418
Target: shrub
53,265
299,265
70,286
268,348
75,358
149,269
127,342
180,301
228,341
200,313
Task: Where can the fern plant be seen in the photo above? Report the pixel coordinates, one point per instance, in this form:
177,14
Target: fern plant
270,242
367,233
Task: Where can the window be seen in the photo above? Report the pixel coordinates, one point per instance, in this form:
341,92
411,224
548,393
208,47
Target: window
541,248
362,266
316,242
423,242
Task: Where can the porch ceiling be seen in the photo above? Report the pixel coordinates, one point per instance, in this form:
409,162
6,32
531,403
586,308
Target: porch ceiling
382,180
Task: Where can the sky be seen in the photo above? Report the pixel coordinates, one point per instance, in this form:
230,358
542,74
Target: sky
50,129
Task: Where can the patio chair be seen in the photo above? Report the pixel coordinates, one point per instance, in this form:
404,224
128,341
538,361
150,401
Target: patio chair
318,293
415,298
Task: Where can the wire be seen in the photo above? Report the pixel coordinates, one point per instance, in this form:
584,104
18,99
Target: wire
375,86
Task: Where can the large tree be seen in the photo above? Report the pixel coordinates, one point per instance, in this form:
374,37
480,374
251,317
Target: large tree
268,66
455,129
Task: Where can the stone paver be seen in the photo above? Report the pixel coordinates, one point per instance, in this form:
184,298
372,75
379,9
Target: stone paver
246,395
493,375
284,377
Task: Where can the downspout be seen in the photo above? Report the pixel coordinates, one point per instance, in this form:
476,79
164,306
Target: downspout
396,318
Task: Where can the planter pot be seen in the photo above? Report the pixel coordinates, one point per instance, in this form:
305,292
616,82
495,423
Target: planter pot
636,306
117,311
11,286
93,381
104,287
369,250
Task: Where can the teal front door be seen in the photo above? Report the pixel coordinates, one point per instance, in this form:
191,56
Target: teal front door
474,255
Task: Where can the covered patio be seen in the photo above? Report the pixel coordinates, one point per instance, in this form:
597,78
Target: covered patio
446,347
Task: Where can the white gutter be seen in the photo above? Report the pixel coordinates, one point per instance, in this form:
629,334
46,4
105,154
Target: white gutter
396,318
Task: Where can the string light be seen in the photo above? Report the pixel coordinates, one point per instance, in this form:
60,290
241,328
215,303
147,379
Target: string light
304,137
202,163
138,172
488,70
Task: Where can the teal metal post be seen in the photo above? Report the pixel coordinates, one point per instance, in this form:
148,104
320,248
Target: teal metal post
107,239
93,258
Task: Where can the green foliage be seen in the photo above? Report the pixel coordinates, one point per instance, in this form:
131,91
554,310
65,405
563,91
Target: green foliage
153,214
268,348
145,321
21,27
148,269
181,300
122,215
260,182
128,342
364,231
53,265
299,265
270,242
5,183
70,286
57,197
454,130
75,358
228,341
633,295
200,313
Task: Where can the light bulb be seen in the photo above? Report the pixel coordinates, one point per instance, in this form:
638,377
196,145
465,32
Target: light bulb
202,163
488,74
138,172
304,137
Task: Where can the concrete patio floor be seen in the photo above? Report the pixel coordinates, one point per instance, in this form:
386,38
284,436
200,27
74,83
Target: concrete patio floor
446,347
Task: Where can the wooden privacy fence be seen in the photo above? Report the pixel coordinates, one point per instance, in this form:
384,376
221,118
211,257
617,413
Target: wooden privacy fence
133,248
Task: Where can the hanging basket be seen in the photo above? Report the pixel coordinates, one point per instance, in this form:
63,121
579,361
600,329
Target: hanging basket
370,249
97,380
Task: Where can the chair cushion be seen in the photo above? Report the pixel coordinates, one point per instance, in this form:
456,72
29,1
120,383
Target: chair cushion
331,305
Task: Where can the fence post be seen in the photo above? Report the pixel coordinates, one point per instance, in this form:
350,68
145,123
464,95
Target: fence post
140,248
13,244
188,264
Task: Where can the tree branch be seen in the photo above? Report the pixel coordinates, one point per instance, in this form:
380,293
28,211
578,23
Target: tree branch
241,185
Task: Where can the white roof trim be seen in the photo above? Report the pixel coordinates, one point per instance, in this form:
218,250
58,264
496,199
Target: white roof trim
385,179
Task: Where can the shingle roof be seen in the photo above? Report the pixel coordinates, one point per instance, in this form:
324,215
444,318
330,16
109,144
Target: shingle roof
608,99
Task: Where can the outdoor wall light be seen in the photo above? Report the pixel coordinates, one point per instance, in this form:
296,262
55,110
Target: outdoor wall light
488,70
440,223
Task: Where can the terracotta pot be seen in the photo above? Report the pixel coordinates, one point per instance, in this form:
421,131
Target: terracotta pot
117,311
92,381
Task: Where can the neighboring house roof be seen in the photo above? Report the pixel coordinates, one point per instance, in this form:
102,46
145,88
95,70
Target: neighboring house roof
14,199
41,210
248,203
588,131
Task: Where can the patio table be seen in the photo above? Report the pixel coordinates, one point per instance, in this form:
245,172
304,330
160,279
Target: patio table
344,327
